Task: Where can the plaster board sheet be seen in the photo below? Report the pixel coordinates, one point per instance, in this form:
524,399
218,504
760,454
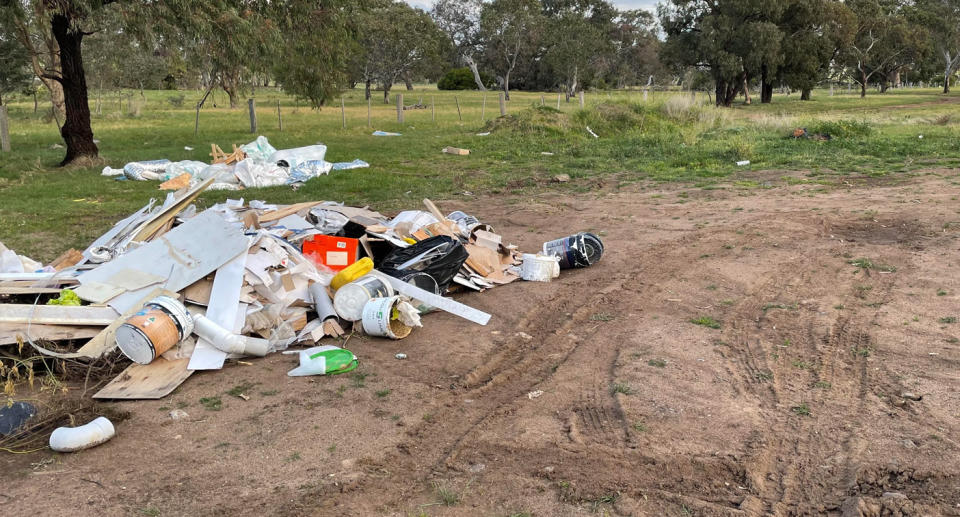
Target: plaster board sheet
222,309
182,256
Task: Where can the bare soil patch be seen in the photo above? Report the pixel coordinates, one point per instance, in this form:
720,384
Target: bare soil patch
828,388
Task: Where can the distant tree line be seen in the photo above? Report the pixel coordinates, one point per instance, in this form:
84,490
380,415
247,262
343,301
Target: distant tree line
64,50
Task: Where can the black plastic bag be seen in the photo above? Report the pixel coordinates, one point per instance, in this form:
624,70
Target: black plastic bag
440,257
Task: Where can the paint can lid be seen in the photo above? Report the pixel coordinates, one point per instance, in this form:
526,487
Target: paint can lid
135,344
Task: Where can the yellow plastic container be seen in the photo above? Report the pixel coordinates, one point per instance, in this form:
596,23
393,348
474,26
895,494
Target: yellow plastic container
351,273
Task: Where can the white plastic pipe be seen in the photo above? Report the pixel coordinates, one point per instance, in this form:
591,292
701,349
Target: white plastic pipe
227,341
70,439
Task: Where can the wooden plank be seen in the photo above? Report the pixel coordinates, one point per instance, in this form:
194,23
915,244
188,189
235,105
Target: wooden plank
47,278
147,381
29,290
10,331
159,220
57,314
69,258
287,210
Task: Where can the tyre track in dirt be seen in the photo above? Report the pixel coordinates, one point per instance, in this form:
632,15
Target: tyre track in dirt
502,379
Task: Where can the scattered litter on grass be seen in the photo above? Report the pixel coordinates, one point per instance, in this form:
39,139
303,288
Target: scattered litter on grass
591,132
256,164
385,133
742,163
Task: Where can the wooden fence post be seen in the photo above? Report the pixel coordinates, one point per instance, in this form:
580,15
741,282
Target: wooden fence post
279,119
581,99
459,115
343,115
4,130
400,108
541,100
483,108
503,105
645,95
252,104
368,111
558,100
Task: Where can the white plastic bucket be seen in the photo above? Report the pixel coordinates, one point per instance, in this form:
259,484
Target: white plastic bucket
539,268
350,299
377,319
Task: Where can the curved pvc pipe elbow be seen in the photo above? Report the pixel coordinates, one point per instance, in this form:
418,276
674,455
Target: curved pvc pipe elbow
227,341
70,439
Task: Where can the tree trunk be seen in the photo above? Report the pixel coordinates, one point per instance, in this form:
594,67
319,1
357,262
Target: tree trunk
476,73
35,103
407,82
766,86
76,130
805,94
863,84
366,90
386,93
232,94
506,86
746,91
946,80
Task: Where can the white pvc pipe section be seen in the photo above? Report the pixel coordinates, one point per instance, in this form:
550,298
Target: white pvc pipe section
226,340
70,439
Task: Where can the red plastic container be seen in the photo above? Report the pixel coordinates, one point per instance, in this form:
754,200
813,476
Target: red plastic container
335,253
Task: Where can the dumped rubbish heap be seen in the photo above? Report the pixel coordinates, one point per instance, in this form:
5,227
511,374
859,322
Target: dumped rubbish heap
179,290
256,164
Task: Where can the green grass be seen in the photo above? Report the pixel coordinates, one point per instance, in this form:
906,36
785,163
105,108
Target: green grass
948,319
865,263
802,409
622,387
445,495
706,321
45,210
211,403
657,363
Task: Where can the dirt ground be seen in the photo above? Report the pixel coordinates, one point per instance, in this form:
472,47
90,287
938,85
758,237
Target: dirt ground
828,388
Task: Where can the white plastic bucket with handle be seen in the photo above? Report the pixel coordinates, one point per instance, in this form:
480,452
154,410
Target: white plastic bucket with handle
378,319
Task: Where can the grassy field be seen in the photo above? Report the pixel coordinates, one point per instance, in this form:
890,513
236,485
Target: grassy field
45,209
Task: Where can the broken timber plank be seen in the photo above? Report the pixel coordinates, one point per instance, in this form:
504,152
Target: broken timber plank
147,381
10,331
287,210
57,314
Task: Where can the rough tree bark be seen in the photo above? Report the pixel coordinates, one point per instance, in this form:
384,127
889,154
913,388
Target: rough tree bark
766,86
366,90
805,94
386,93
76,130
727,91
